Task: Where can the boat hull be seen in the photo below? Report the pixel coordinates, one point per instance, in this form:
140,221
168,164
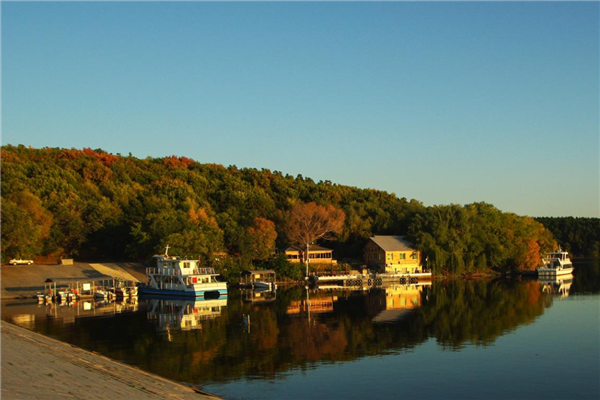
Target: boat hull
264,285
555,271
217,293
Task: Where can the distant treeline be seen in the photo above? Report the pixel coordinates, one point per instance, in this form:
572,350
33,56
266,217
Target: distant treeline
579,236
91,204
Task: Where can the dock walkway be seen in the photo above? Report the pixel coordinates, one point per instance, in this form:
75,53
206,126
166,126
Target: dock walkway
38,367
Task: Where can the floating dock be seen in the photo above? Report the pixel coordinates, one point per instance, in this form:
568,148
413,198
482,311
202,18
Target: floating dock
358,279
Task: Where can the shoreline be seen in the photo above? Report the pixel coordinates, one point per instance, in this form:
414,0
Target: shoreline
39,367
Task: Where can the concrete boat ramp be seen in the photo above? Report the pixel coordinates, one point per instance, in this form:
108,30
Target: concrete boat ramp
38,367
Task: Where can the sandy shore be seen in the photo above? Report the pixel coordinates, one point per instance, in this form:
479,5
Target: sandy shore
38,367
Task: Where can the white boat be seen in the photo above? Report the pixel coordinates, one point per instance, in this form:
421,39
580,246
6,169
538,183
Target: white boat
41,297
174,276
119,292
258,279
131,291
103,294
556,263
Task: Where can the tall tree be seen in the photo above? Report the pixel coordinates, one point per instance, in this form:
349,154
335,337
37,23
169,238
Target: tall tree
310,222
259,240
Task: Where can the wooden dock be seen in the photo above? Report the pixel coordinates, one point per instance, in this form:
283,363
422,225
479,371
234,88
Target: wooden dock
367,280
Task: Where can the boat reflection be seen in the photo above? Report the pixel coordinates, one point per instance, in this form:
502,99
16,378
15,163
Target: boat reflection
183,314
90,307
259,295
558,286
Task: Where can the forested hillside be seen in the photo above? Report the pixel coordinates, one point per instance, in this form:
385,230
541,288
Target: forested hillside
91,204
579,236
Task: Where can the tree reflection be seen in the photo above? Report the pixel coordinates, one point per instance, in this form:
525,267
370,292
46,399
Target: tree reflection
344,325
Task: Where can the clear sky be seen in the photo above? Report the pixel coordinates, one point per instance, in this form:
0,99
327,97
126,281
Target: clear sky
440,102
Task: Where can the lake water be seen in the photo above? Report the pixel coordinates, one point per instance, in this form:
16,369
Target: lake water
495,339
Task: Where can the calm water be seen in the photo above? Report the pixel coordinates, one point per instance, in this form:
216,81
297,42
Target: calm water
493,339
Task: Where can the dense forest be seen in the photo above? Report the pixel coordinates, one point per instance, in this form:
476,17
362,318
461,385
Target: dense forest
578,236
91,204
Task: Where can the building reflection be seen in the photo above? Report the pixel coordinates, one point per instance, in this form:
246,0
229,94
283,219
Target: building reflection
394,302
315,302
387,303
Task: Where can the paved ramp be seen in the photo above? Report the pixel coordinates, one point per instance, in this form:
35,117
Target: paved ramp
38,367
115,271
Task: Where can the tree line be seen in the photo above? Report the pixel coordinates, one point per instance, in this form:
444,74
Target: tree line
578,236
91,204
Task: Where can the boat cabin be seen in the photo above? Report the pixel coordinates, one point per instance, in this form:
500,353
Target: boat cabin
557,259
170,265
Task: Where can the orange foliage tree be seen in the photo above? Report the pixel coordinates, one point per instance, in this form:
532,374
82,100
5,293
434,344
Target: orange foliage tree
310,222
259,243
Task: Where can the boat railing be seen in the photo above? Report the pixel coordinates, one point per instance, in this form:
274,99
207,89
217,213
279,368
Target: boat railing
204,271
162,271
175,271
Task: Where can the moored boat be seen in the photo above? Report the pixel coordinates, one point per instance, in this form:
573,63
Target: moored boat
258,279
174,276
556,263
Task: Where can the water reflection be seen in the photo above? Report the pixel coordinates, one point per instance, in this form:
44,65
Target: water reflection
183,314
265,334
259,295
558,286
396,302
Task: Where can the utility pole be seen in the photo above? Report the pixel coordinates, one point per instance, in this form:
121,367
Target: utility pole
307,249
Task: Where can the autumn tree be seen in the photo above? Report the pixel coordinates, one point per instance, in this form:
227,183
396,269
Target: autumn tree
259,239
310,222
25,225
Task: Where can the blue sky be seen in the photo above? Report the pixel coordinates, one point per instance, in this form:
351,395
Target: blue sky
440,102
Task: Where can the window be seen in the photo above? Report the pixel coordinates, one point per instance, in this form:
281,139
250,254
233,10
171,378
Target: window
415,256
403,256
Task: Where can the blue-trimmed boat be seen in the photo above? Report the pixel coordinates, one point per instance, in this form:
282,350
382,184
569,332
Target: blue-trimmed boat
174,276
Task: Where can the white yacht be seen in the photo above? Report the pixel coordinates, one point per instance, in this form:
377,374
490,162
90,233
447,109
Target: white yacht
556,263
174,276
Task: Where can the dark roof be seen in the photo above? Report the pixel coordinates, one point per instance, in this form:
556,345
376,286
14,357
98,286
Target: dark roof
392,243
85,279
313,247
